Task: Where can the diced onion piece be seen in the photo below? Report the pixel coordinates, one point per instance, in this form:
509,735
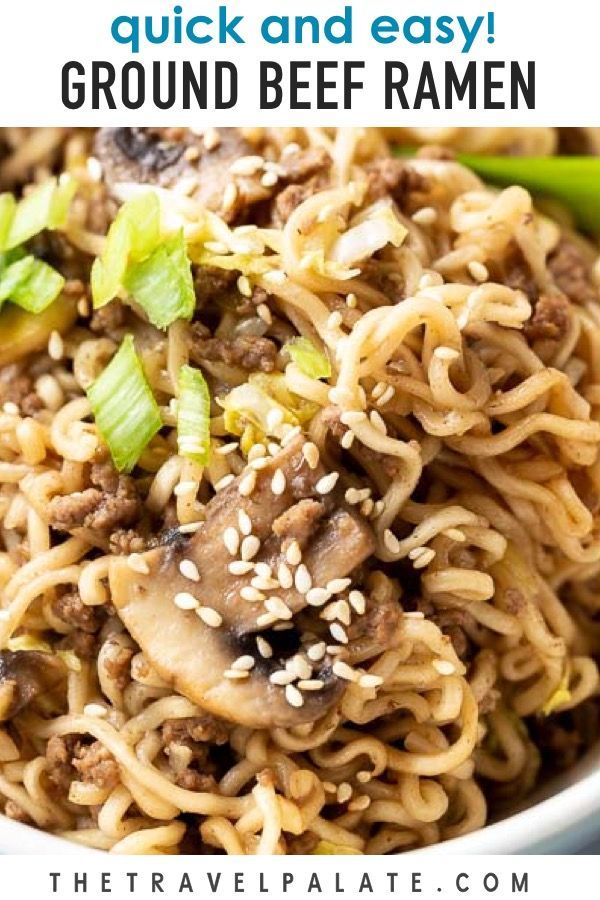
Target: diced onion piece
134,235
162,284
309,360
193,415
31,284
123,404
45,207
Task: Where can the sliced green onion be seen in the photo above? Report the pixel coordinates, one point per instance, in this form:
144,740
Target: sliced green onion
30,283
123,404
193,415
162,284
45,207
133,235
309,360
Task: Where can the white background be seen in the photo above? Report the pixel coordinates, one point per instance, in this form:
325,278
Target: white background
548,877
38,36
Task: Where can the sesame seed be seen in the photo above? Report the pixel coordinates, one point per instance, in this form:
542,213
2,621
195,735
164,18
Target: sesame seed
327,483
56,347
211,139
10,408
210,616
190,527
344,671
250,547
184,600
359,804
275,276
185,487
284,576
455,534
300,666
424,559
317,596
337,585
310,684
278,482
478,271
446,353
357,602
231,539
347,440
387,395
191,154
338,633
274,418
390,541
217,246
352,417
263,569
427,215
256,452
277,607
189,570
414,615
247,165
259,463
363,776
370,681
243,663
342,612
378,508
281,677
302,579
378,390
317,651
265,584
240,567
265,620
244,522
273,448
367,507
137,564
247,484
377,422
236,674
264,647
224,482
251,594
293,554
334,320
244,286
293,696
329,787
269,179
96,710
264,313
354,495
344,792
310,452
443,667
291,432
352,301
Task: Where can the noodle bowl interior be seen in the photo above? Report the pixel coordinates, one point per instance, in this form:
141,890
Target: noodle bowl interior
304,557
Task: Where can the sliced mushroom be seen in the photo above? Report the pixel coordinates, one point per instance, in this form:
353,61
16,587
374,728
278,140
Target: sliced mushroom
25,675
193,656
149,156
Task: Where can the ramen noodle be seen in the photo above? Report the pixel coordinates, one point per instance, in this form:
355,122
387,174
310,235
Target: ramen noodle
354,608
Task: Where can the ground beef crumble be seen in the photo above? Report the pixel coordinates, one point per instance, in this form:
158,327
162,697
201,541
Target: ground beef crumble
113,503
251,352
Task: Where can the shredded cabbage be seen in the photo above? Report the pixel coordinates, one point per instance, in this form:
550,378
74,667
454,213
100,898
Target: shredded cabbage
263,407
193,415
309,360
123,404
378,227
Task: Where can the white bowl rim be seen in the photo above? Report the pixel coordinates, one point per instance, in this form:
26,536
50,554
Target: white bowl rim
564,810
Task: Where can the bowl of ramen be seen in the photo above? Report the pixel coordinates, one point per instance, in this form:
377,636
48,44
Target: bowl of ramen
299,490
